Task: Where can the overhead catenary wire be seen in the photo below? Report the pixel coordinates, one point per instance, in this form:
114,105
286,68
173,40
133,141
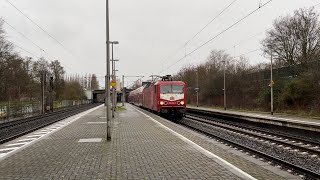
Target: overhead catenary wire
131,76
254,36
316,5
24,36
24,50
219,34
245,40
249,52
41,28
101,77
136,81
203,28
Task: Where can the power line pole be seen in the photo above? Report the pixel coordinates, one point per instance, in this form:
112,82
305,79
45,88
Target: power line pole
107,99
123,91
42,92
224,87
271,85
51,93
197,90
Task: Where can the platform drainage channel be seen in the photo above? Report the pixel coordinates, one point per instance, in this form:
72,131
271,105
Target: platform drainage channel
92,140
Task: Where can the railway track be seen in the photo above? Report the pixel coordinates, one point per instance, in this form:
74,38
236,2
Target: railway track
295,154
14,129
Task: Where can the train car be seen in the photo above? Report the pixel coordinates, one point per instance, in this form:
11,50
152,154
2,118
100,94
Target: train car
165,97
135,96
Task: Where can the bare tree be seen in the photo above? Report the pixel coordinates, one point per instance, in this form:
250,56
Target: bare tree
294,39
94,82
58,72
6,47
308,34
217,58
21,78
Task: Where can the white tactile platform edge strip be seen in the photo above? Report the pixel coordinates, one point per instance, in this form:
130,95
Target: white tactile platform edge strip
40,134
91,140
97,122
216,158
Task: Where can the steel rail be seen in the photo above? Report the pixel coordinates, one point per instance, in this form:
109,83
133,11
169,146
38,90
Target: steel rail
210,115
280,135
14,129
297,168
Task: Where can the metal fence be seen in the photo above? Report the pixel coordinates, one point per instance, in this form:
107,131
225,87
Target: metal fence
15,110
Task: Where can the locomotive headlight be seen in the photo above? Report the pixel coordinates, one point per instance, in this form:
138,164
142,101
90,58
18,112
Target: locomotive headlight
161,103
182,102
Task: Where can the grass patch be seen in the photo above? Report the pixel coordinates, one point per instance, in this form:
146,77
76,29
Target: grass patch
120,108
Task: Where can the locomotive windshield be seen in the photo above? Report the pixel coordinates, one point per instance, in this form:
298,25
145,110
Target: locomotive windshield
171,88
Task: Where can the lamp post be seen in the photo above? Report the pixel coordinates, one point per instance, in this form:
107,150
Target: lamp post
107,98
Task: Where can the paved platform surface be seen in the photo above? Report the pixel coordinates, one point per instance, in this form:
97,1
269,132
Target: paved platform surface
279,117
141,148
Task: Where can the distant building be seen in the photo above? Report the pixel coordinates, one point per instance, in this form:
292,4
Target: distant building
88,94
119,85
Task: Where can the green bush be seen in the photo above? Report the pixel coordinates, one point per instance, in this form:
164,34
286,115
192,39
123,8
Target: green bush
263,99
298,93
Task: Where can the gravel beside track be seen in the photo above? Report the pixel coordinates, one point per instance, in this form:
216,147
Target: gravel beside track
296,130
298,156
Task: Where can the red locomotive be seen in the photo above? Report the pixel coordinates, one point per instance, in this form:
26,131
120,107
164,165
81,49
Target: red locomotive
165,97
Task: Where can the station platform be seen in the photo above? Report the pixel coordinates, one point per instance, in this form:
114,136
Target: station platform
143,146
312,124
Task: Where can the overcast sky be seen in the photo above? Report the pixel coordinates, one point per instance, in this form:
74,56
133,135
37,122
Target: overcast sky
150,32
